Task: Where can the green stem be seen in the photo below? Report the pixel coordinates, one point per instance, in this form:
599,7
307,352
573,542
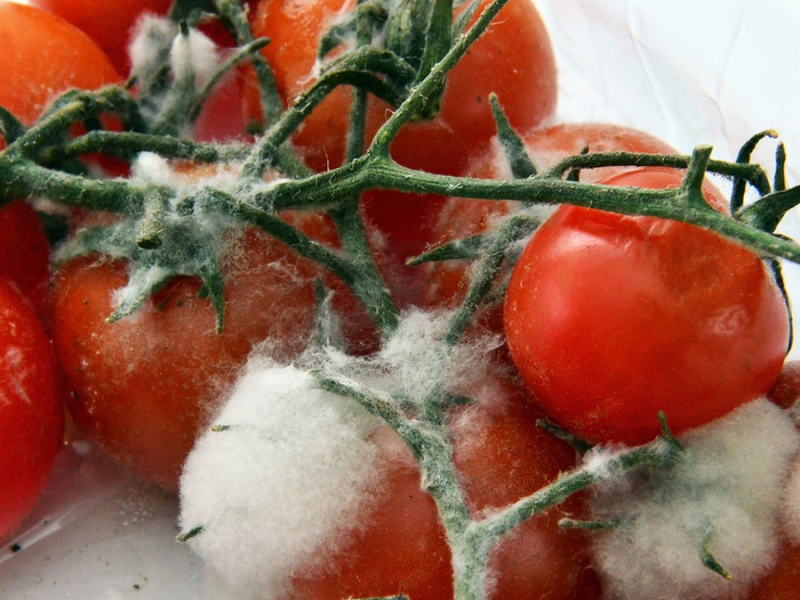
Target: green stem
22,178
239,56
512,230
434,81
656,454
233,16
369,286
130,143
750,173
291,119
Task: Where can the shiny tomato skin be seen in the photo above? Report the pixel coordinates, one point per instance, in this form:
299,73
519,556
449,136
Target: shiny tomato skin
108,23
42,56
514,59
446,281
611,318
501,456
25,252
145,385
31,417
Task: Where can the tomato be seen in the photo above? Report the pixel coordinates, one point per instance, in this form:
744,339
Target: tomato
501,457
447,281
31,419
786,390
783,581
25,252
612,318
108,23
143,386
513,59
40,60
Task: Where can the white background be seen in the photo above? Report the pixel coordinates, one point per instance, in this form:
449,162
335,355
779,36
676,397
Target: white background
689,71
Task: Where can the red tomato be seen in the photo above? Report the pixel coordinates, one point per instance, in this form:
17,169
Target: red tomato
501,456
43,56
108,23
611,318
783,581
786,390
31,419
25,252
513,59
144,385
112,25
447,281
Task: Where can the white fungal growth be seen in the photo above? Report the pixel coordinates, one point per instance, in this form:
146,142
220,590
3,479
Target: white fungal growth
792,507
297,470
149,167
151,35
421,363
725,492
147,279
281,488
194,54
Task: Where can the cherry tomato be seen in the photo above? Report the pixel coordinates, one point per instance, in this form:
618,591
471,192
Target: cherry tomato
501,456
143,386
108,23
611,318
783,581
514,59
43,56
447,281
786,390
25,252
31,419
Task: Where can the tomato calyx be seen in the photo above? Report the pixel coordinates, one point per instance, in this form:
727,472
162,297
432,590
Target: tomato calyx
188,246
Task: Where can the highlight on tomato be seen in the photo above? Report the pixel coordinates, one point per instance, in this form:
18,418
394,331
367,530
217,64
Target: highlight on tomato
611,319
31,416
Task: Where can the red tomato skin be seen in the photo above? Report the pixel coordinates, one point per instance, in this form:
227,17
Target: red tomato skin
446,282
31,418
524,80
108,23
786,390
783,581
40,57
610,319
25,252
145,385
501,456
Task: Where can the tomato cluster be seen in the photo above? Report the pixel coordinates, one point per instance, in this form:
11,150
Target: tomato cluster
605,321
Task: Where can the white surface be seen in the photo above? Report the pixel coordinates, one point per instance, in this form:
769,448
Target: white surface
99,534
690,71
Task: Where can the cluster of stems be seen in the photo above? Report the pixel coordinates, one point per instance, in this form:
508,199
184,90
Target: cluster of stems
42,161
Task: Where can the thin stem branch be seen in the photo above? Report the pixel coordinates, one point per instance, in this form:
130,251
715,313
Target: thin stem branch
656,454
130,143
428,87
